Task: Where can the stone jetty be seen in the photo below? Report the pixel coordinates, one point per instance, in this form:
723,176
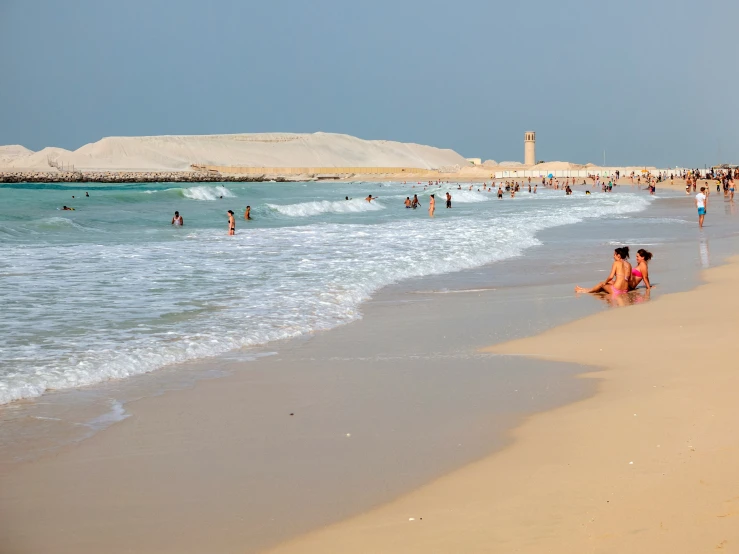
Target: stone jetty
31,176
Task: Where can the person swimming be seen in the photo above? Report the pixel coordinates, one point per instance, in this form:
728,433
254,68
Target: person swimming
618,281
177,220
67,209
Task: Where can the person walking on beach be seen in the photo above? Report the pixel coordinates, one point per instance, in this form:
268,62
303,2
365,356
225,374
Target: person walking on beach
448,200
701,202
247,213
618,281
231,223
177,220
432,205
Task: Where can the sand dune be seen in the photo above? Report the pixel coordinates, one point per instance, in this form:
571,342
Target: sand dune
12,152
253,150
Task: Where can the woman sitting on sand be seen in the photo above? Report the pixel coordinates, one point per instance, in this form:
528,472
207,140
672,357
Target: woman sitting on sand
641,271
618,281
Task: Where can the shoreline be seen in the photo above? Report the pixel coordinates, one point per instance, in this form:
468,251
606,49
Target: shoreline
647,464
344,335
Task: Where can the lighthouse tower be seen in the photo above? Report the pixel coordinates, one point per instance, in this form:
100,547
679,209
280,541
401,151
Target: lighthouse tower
529,148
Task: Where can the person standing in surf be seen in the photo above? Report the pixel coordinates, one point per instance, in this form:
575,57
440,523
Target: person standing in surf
448,200
231,223
177,220
247,213
432,205
701,202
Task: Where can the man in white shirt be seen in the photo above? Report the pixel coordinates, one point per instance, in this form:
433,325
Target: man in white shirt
701,202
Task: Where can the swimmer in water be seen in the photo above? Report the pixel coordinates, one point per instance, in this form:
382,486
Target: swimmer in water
231,223
67,209
448,200
407,202
370,198
415,203
432,205
177,220
247,213
87,194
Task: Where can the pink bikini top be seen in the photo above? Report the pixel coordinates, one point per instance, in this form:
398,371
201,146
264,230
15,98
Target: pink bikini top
636,273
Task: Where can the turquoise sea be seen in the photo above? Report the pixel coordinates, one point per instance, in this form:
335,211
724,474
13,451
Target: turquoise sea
112,289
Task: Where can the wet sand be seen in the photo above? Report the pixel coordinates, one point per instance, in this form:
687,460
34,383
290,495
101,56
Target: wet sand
379,407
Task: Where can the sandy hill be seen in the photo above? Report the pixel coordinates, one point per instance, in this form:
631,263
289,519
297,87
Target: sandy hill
253,150
12,152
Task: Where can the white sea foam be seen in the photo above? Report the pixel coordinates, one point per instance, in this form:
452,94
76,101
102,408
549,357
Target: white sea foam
307,209
207,193
465,196
133,303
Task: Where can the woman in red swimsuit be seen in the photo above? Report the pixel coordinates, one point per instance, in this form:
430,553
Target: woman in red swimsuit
641,271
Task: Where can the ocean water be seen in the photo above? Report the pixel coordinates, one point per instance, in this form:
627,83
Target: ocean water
112,290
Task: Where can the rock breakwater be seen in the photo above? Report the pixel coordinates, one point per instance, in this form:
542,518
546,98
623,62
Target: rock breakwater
19,176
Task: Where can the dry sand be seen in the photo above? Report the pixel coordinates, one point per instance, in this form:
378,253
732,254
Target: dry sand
649,464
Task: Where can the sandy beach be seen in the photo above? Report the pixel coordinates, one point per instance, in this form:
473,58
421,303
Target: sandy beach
646,465
386,411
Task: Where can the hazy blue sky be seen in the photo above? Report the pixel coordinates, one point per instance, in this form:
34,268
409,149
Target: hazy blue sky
652,82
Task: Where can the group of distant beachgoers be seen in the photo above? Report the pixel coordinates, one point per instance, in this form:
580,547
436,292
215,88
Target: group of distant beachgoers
623,278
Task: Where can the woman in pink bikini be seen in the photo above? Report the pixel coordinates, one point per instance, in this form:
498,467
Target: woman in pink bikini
641,271
618,281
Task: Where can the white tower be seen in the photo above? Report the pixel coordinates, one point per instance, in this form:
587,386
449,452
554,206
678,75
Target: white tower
529,148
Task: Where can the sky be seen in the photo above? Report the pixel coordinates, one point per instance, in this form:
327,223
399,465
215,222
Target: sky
649,82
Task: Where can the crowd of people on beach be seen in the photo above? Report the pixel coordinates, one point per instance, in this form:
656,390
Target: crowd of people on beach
623,278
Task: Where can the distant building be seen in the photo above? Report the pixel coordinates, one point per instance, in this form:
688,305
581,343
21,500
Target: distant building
529,148
475,161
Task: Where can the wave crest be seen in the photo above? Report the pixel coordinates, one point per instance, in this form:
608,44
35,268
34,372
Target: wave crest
307,209
207,193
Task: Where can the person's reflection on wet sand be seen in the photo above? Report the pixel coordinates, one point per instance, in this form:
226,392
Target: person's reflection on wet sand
638,296
704,253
